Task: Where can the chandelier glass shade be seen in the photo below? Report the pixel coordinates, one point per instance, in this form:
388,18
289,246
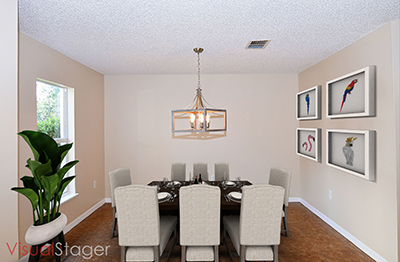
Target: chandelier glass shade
199,115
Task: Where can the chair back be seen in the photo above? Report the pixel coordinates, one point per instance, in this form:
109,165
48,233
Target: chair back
200,168
260,215
221,171
138,215
281,177
199,212
178,172
118,177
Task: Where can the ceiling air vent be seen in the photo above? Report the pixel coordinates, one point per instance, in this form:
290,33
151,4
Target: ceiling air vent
257,44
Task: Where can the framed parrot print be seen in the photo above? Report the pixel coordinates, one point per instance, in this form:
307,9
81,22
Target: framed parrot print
351,151
308,143
351,95
308,104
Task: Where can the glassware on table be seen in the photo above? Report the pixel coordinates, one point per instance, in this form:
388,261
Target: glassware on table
238,182
190,178
165,182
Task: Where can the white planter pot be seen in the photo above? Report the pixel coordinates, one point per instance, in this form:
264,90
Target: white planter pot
36,235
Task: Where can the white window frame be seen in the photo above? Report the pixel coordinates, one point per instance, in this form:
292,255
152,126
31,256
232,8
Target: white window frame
67,132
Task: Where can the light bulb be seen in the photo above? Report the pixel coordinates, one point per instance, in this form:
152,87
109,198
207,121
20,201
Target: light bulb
208,120
192,119
201,118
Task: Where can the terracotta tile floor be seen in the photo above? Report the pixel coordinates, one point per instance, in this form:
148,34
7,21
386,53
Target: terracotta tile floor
310,240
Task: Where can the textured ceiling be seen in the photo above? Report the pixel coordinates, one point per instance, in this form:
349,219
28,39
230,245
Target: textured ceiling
157,37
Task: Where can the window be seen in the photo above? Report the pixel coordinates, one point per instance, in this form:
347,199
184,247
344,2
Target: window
55,117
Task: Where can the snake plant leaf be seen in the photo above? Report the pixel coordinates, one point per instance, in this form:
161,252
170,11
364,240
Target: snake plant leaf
62,171
33,165
64,184
63,151
50,186
43,147
26,135
38,169
30,182
30,194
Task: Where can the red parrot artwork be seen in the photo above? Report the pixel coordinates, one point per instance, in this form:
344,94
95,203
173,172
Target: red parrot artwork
348,90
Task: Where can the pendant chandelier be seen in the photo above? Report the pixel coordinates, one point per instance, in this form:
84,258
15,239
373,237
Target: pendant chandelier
199,115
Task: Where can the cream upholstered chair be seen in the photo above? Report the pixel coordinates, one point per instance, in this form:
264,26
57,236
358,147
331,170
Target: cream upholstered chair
200,168
255,234
142,233
117,177
282,177
199,213
178,171
221,171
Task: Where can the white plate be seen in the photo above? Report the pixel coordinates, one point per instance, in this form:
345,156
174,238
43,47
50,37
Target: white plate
230,183
163,195
236,195
177,183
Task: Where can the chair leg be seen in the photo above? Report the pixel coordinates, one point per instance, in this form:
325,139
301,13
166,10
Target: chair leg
216,254
114,224
123,253
157,254
275,248
229,251
242,253
173,244
183,253
285,225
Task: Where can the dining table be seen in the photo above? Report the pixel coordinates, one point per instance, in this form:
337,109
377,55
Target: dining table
226,187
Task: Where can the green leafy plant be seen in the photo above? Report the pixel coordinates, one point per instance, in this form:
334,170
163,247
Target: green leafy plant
48,182
50,126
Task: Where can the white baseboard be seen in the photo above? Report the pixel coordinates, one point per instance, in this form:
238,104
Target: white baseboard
343,232
107,200
75,222
295,199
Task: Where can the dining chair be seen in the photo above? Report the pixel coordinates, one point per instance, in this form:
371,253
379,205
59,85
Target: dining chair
221,171
118,177
199,218
178,171
200,168
255,233
143,233
282,177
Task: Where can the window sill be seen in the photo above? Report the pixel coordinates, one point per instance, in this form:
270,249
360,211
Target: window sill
68,197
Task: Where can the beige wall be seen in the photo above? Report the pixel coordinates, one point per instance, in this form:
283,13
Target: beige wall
8,130
39,61
366,209
261,124
396,97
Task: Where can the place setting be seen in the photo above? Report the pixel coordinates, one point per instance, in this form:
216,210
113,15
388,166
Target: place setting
163,197
234,197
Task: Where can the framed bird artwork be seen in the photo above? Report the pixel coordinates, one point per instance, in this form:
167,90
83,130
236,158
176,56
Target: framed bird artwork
352,151
308,143
351,95
308,104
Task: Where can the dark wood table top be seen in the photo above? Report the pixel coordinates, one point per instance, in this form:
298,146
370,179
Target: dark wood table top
174,190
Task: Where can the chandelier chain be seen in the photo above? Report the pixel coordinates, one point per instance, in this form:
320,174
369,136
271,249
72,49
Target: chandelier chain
198,70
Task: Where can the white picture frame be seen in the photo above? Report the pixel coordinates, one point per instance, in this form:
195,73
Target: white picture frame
308,104
351,95
351,151
308,143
